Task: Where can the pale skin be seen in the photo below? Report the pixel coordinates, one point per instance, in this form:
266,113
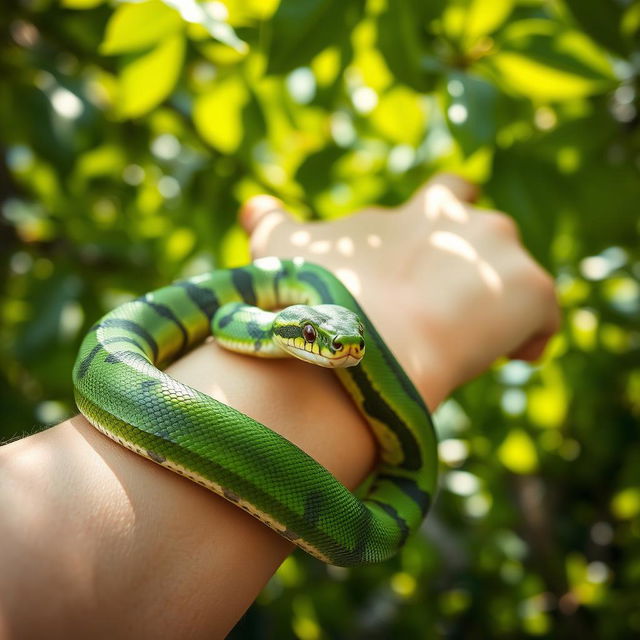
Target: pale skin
99,542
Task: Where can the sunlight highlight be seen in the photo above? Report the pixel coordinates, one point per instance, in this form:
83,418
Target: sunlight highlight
453,243
374,240
320,246
439,200
300,238
345,246
351,280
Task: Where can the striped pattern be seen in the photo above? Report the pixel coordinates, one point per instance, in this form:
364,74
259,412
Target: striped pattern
121,389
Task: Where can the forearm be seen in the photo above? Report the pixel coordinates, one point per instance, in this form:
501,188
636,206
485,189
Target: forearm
108,543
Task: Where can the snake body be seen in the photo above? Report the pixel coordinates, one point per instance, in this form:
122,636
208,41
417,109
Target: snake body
121,389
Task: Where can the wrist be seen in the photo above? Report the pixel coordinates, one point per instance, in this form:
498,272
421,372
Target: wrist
421,346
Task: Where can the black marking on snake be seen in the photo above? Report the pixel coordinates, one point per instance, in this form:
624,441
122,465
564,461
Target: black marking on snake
288,331
203,298
228,317
282,273
313,507
402,525
133,327
243,282
392,363
165,312
364,533
83,367
115,339
376,407
125,357
316,282
256,331
411,489
156,457
289,535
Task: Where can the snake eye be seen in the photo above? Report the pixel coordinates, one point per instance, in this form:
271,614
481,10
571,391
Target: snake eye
309,333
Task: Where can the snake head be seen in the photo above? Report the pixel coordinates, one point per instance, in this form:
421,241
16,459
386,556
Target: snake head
326,335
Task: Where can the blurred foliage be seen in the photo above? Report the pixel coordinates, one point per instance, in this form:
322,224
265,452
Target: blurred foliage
130,134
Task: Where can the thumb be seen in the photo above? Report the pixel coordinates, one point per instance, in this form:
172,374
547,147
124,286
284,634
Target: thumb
261,216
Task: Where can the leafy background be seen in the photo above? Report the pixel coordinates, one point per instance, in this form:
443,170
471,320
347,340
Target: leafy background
130,134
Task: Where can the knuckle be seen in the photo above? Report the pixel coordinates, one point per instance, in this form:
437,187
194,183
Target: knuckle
500,223
542,279
543,284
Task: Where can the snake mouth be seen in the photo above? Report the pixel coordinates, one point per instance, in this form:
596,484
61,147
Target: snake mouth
329,362
347,360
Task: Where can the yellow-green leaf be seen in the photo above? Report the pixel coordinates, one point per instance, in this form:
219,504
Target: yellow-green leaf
518,453
179,244
218,114
482,17
81,4
545,61
134,27
234,249
400,116
536,80
104,160
149,79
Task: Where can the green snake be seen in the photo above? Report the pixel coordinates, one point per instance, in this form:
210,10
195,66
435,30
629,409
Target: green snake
269,308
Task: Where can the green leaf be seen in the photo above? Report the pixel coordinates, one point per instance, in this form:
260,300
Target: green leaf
134,27
103,160
402,41
400,116
217,114
149,79
81,4
482,17
630,24
601,19
544,61
316,172
471,110
300,29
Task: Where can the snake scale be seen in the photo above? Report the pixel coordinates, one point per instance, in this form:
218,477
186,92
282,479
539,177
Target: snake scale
121,389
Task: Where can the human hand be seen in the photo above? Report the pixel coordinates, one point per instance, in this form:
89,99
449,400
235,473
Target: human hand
448,285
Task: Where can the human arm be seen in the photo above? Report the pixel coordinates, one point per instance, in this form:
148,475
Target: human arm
109,544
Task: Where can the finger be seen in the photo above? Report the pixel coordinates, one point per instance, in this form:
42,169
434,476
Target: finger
532,349
256,209
264,219
457,186
445,195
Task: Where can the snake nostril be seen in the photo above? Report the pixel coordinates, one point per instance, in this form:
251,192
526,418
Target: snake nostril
361,344
337,345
